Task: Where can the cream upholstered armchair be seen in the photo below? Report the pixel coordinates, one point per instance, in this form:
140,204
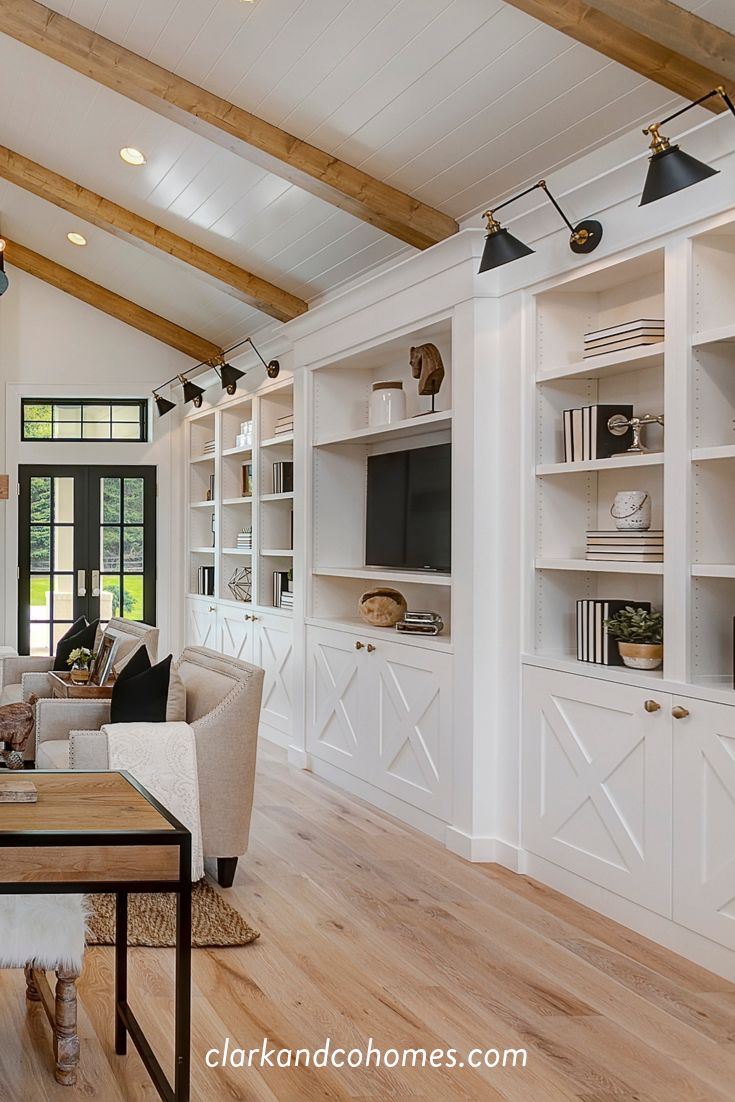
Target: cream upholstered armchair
223,698
21,675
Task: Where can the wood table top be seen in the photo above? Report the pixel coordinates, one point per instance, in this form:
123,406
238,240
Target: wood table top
79,803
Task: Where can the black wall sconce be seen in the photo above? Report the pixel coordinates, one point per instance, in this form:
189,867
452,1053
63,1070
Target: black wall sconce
670,169
501,247
229,375
3,277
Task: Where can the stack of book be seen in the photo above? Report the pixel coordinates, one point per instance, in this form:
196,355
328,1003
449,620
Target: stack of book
208,448
245,540
420,622
586,435
205,581
626,545
282,594
629,334
283,424
593,642
283,477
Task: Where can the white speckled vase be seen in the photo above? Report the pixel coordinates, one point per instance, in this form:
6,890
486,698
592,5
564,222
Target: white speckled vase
631,509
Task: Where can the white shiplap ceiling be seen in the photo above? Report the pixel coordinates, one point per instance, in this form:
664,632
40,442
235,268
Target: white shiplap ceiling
454,101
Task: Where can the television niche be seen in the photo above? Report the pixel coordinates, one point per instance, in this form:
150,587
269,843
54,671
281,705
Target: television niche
409,509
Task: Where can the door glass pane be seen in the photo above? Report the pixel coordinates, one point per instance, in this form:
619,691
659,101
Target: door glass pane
64,500
110,600
63,598
110,548
133,597
40,601
123,430
41,500
133,500
110,495
40,548
133,549
40,638
63,548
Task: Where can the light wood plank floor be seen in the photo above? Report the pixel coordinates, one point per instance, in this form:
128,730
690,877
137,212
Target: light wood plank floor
371,930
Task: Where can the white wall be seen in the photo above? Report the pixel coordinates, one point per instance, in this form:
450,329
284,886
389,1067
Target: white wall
53,345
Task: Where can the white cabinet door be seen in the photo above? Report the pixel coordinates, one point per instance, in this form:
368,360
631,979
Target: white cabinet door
201,623
335,722
597,783
235,630
704,819
408,715
273,650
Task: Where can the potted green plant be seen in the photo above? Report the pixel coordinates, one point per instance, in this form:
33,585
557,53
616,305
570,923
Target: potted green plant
79,662
640,636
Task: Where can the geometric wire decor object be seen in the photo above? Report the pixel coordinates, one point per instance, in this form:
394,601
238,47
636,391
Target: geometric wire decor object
240,584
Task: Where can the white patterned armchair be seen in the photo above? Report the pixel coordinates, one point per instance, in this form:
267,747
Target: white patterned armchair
223,697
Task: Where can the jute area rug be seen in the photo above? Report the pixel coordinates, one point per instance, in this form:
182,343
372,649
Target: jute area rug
152,920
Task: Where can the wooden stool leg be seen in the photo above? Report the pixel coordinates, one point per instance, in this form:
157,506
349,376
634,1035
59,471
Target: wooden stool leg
66,1040
32,993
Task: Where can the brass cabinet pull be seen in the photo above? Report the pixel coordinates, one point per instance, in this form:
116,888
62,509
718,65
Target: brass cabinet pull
212,608
370,648
359,645
679,713
652,706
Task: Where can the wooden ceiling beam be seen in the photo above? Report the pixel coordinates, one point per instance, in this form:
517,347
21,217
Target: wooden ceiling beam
230,126
101,212
200,349
630,32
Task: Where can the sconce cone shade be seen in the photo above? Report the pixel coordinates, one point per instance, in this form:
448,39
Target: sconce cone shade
501,247
192,393
229,376
163,405
672,170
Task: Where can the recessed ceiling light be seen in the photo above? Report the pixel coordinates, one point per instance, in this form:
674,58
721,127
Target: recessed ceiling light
76,238
132,156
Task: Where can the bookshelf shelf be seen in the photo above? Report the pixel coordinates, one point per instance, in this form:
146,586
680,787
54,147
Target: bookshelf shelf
724,334
277,497
703,455
411,426
379,574
237,451
617,462
237,500
610,363
237,551
201,505
354,625
713,570
604,566
202,550
274,441
277,554
202,459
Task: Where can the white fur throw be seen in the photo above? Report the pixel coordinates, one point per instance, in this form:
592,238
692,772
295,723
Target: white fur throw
44,930
163,758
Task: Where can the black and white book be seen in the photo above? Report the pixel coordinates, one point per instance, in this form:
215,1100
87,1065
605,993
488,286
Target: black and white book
283,477
594,644
642,341
623,328
587,436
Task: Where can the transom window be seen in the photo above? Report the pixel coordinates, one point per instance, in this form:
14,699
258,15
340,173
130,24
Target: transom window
84,419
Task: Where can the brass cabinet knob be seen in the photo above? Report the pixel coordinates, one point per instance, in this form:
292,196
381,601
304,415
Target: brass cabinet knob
359,645
370,648
652,706
212,608
247,616
254,618
679,713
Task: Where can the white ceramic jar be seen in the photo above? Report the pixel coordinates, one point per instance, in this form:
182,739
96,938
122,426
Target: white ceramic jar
387,404
632,510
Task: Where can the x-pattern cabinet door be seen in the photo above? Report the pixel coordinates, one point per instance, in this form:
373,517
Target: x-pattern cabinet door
410,688
236,632
704,823
335,721
597,783
273,650
201,623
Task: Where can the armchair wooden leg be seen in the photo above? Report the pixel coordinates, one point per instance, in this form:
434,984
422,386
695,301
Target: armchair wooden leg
32,993
226,867
66,1039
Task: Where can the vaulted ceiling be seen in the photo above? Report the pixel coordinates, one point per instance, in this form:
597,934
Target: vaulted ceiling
455,102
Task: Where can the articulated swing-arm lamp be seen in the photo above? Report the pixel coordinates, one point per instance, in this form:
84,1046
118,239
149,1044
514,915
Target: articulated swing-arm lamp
501,247
671,169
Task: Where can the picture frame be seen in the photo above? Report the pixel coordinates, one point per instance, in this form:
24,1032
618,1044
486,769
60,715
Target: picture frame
103,662
247,480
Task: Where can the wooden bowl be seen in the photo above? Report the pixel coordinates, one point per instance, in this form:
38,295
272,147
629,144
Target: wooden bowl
382,608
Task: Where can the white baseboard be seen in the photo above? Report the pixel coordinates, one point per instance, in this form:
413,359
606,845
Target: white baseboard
297,757
663,930
270,734
481,849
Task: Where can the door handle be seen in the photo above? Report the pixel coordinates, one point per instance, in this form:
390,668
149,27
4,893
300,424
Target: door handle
359,645
95,583
370,648
679,713
81,583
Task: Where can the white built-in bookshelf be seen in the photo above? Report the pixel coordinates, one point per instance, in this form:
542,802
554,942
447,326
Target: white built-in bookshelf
236,503
341,441
689,470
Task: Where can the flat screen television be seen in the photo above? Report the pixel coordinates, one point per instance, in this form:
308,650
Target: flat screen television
409,505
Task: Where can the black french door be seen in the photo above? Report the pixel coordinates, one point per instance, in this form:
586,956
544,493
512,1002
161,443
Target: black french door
86,547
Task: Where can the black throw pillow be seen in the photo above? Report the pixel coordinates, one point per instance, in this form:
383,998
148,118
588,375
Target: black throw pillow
83,637
140,694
